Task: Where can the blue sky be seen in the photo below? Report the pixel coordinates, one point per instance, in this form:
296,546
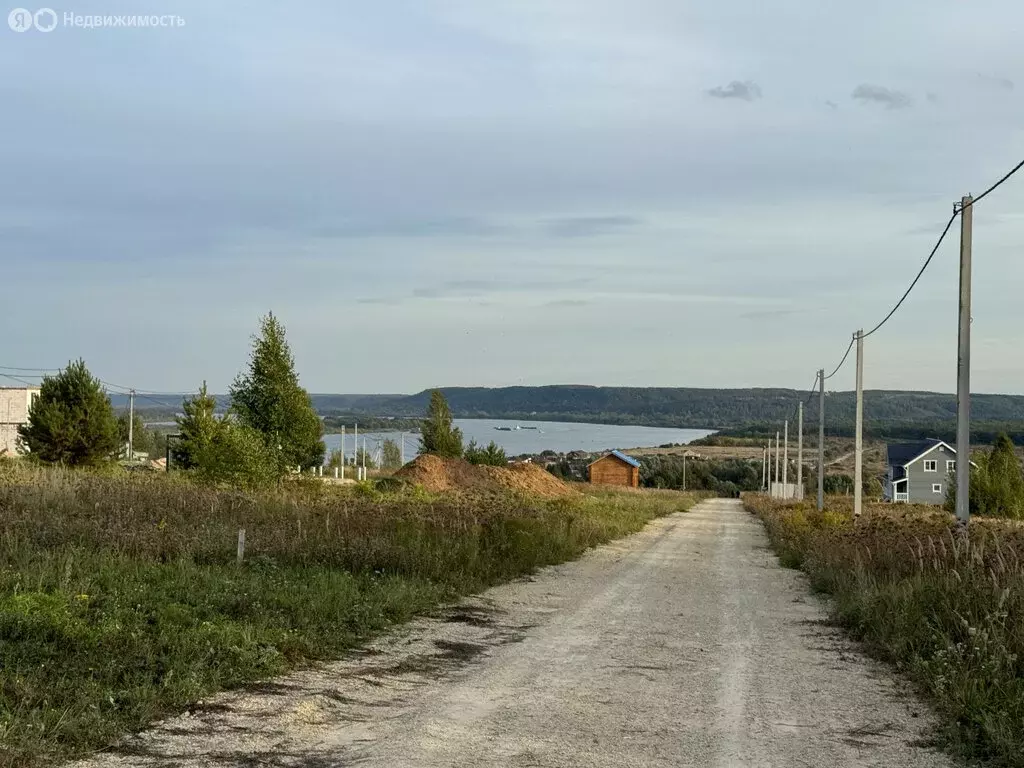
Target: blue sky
448,192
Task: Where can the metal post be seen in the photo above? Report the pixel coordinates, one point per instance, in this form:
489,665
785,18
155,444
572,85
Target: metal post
858,464
343,452
785,459
821,439
963,368
131,424
800,451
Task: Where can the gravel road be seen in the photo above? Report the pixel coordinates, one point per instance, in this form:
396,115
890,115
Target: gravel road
685,645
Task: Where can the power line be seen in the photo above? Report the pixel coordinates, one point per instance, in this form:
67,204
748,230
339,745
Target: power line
921,272
36,370
846,355
19,380
999,183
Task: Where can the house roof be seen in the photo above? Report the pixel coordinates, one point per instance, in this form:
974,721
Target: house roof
901,454
621,457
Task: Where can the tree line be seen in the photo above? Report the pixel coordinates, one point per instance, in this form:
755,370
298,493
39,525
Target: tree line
269,428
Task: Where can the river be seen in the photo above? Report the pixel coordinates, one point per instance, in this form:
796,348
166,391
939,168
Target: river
558,436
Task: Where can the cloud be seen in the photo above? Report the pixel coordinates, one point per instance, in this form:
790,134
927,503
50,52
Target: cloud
879,94
1000,82
933,98
747,90
588,226
567,303
831,105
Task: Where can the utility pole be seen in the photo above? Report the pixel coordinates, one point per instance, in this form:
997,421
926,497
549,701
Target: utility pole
343,452
403,449
777,456
821,439
963,368
785,459
858,464
131,424
800,451
684,470
764,468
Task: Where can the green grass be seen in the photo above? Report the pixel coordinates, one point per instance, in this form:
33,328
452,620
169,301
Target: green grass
946,611
120,599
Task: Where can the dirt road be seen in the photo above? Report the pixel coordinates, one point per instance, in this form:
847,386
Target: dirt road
686,645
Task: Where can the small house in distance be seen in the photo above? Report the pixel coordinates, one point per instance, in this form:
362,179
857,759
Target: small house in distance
615,468
919,473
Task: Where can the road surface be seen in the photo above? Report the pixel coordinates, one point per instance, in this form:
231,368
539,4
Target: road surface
685,645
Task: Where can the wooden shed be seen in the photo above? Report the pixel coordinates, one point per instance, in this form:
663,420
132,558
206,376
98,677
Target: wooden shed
615,468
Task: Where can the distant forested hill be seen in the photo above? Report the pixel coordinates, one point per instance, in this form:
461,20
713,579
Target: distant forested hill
680,407
888,414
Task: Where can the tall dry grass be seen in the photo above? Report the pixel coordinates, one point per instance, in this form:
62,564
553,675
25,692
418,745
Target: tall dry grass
945,609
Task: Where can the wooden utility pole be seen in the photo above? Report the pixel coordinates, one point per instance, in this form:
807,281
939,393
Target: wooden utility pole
800,451
821,439
858,464
963,368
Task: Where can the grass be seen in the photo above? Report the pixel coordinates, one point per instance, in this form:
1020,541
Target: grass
946,610
120,599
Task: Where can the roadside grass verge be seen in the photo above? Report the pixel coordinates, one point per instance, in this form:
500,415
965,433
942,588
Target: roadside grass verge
120,599
946,611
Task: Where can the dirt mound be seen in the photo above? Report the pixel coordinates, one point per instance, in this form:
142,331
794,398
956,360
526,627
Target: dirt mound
438,475
529,479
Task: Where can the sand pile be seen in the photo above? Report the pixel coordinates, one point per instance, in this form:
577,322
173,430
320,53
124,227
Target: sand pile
438,475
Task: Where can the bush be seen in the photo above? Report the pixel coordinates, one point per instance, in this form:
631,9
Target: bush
493,455
238,456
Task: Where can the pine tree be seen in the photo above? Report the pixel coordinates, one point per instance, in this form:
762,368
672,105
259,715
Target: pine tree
197,427
438,435
71,421
268,398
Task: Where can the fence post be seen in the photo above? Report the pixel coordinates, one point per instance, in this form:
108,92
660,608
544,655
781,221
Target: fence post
241,546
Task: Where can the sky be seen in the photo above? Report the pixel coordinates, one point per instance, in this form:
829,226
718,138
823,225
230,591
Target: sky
513,192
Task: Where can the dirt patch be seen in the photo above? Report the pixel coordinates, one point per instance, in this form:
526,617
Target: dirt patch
440,475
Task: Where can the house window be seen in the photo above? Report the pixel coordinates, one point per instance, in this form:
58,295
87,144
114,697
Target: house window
950,467
936,487
931,465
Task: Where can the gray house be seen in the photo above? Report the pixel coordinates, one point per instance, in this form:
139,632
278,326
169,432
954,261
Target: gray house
919,473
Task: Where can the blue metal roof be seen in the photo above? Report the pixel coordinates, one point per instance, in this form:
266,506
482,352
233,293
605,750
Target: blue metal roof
628,459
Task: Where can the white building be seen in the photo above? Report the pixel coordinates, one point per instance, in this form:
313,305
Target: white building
14,405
